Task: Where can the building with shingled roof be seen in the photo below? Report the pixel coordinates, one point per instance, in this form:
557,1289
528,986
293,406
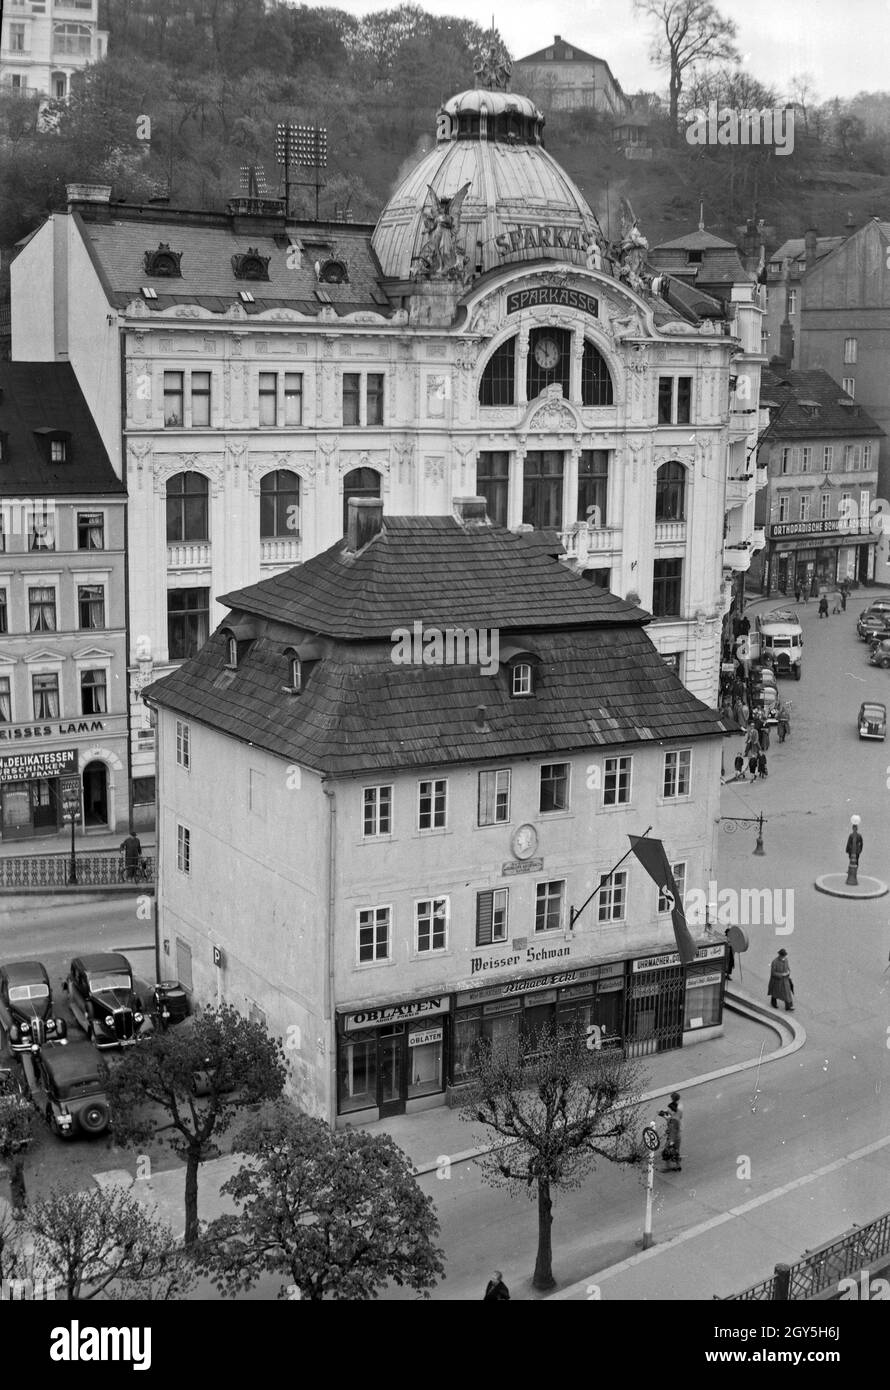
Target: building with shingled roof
380,841
566,78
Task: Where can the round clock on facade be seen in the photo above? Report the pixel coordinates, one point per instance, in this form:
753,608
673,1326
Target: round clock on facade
547,353
524,841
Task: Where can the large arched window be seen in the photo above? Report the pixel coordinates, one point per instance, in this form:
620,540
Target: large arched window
498,384
359,482
187,508
670,492
596,383
279,504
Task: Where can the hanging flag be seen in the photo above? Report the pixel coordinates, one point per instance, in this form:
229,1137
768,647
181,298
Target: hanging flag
652,856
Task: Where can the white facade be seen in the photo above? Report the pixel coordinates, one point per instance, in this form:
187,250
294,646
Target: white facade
45,42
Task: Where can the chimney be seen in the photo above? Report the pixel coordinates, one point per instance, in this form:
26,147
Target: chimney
365,520
481,725
88,193
472,511
810,242
557,38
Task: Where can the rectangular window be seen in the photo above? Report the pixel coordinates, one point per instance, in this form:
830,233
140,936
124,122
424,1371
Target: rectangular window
827,457
667,578
665,399
93,692
866,456
864,504
548,905
45,689
374,398
188,617
786,460
183,849
5,701
183,744
792,302
492,483
494,797
543,472
612,898
42,528
431,804
674,400
491,916
617,781
677,764
90,531
143,791
373,934
848,458
554,787
184,964
806,458
58,451
850,350
849,385
200,400
293,398
679,872
91,606
593,483
431,923
783,508
173,398
684,400
376,811
4,612
825,506
804,513
17,38
352,395
42,610
268,395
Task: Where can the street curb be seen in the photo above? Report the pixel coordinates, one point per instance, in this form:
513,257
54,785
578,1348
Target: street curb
88,892
740,1004
835,885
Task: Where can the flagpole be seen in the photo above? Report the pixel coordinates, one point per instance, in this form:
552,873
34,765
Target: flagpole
573,915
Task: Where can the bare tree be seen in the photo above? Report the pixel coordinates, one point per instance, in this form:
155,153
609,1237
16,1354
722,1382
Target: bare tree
803,96
688,32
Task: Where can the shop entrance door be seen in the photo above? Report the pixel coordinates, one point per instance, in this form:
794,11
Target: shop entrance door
391,1070
95,794
45,804
655,1012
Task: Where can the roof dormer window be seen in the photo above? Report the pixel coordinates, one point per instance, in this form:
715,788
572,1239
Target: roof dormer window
521,679
237,646
58,451
163,263
246,297
232,653
250,265
333,272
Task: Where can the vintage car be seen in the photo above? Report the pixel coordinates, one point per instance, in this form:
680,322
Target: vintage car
880,652
875,621
104,1002
872,721
781,640
71,1088
26,1007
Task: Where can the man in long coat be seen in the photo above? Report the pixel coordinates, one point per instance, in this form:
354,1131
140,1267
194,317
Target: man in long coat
780,986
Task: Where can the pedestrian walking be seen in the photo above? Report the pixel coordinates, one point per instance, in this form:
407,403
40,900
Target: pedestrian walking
496,1290
745,625
814,588
671,1151
783,725
764,738
823,606
844,597
761,765
797,593
132,852
740,767
781,985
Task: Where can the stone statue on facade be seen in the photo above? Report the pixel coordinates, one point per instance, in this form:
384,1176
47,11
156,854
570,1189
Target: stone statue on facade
492,66
441,253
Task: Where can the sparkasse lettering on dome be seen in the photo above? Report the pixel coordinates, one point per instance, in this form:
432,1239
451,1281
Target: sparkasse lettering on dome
527,236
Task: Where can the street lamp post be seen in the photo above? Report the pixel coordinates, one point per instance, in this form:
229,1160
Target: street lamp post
729,824
71,812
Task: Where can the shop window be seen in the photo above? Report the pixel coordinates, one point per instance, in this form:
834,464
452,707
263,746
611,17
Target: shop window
593,484
183,744
432,804
373,934
431,924
549,898
494,797
187,508
358,1071
491,916
425,1058
667,576
542,487
359,482
492,483
91,607
376,811
677,766
670,492
42,610
188,617
183,849
617,781
596,381
279,504
200,383
293,398
554,794
5,701
45,690
90,531
549,361
702,999
612,898
679,872
93,692
173,400
498,382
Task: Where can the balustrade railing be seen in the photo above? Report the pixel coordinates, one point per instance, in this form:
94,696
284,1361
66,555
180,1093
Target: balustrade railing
52,870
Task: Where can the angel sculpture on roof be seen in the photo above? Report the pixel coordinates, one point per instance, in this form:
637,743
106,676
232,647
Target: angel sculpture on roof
441,253
492,66
630,251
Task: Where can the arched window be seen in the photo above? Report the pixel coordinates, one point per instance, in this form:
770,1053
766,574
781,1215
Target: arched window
498,384
279,504
596,382
359,482
73,39
187,507
670,492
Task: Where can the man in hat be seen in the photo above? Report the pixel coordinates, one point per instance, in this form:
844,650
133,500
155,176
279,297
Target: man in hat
496,1290
671,1151
780,983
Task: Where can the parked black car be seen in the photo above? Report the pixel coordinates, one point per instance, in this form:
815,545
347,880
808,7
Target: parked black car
104,1001
71,1088
26,1007
169,1004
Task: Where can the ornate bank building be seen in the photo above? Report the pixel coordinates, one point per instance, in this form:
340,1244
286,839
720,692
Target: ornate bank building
486,337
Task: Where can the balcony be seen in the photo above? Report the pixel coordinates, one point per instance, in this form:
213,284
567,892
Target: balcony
281,551
758,540
188,555
738,490
581,541
737,557
670,533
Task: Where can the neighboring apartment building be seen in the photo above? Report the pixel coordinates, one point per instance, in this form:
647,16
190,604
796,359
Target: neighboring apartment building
44,43
565,78
378,850
785,270
822,455
478,340
63,657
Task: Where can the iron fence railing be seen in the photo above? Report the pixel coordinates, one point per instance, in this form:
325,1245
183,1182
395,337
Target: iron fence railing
54,870
823,1268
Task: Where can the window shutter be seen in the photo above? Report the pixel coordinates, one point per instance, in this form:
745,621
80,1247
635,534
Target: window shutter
484,915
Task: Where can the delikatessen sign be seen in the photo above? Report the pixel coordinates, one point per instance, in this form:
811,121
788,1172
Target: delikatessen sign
21,767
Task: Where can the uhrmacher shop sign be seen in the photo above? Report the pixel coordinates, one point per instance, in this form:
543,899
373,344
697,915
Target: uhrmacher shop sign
660,962
25,767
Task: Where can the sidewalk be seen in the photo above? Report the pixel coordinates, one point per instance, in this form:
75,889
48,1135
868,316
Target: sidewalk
83,844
